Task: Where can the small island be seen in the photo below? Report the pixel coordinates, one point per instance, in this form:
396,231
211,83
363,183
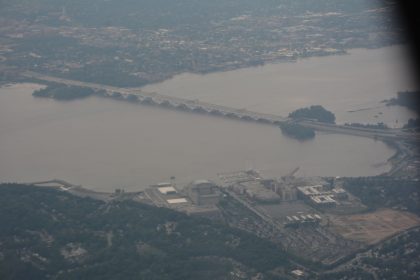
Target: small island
408,99
297,131
63,92
315,112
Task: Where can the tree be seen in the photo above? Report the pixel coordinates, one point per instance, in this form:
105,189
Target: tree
316,112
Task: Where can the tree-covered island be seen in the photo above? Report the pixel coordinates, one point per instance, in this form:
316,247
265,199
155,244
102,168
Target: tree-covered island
297,131
316,112
64,92
408,99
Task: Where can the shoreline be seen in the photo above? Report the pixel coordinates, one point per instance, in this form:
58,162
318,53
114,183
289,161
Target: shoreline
244,66
388,155
275,61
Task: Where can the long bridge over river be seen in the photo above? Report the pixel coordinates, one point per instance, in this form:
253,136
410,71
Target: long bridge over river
153,98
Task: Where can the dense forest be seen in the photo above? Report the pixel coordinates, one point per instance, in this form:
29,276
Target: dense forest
46,234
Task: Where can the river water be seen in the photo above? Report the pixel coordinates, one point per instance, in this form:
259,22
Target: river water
358,82
104,144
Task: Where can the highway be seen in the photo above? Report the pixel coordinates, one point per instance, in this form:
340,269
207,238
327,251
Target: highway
392,134
220,110
161,99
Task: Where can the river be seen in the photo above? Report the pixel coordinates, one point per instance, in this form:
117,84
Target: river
105,144
342,84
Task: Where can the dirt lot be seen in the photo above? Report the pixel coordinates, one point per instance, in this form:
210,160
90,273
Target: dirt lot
373,227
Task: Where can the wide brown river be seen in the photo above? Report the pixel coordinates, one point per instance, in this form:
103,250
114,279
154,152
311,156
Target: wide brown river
105,144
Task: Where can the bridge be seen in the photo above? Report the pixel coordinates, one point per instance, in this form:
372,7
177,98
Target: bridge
166,101
198,106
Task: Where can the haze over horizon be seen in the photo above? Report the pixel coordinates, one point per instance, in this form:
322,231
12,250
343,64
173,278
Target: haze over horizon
191,139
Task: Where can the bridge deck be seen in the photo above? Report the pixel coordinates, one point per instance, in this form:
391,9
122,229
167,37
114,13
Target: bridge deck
206,107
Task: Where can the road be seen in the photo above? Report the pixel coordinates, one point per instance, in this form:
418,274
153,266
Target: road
393,134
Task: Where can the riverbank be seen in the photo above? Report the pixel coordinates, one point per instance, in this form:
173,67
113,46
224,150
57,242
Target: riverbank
340,83
405,152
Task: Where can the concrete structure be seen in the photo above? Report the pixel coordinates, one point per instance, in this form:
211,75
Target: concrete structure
340,193
318,195
258,192
203,192
232,178
166,195
167,190
311,190
286,192
323,200
249,183
177,200
305,219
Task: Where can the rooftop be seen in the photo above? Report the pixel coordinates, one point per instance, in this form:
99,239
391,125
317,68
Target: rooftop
323,199
199,182
177,200
167,190
259,192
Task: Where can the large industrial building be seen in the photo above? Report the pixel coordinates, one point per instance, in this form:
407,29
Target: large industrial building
203,192
285,190
166,195
199,198
249,183
257,192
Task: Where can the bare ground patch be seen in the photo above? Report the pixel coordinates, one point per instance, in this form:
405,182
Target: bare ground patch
373,227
